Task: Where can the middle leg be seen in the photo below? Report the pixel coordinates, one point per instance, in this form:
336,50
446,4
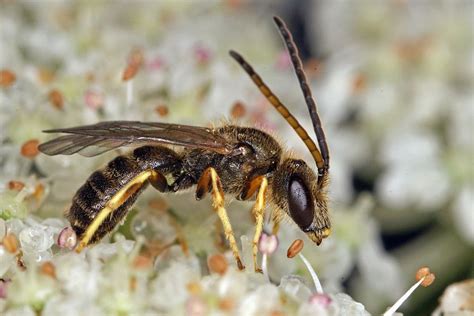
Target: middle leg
210,181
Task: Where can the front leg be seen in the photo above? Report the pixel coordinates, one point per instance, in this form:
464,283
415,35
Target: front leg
260,183
210,181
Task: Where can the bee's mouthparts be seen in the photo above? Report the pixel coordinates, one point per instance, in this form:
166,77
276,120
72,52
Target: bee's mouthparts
317,235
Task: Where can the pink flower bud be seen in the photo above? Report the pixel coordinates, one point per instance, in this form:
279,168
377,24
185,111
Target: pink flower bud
94,99
202,54
157,63
319,299
3,287
67,238
267,244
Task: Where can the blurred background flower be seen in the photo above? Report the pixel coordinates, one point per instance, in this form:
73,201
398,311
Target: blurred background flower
393,81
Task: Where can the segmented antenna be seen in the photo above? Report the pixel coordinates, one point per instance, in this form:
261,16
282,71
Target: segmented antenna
273,99
308,96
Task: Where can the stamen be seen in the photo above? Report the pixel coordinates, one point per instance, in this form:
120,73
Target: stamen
134,63
7,78
39,191
21,196
424,277
264,266
29,149
426,274
317,283
162,110
56,99
129,87
10,243
15,185
48,269
295,249
217,263
238,110
142,262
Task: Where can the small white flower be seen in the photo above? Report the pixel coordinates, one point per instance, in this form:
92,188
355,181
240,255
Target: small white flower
169,289
262,300
20,311
463,215
71,305
31,288
36,239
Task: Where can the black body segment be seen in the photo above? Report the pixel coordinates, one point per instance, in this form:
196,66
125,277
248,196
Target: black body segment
103,184
254,153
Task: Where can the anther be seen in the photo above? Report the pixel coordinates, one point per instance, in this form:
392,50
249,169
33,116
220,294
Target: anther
295,248
217,263
424,278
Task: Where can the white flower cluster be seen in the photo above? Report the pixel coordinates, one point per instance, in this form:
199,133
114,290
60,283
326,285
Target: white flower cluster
39,275
64,65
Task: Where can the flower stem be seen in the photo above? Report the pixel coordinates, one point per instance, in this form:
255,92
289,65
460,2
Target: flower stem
129,85
317,284
402,299
264,266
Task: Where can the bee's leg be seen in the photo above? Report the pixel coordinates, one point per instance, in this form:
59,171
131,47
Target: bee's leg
259,183
210,181
131,189
183,182
180,238
219,236
155,178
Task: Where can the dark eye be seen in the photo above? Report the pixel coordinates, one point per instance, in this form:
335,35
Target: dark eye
300,203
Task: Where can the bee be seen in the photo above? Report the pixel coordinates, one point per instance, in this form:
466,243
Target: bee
243,162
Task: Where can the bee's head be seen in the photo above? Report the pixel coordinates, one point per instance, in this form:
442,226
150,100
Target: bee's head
296,190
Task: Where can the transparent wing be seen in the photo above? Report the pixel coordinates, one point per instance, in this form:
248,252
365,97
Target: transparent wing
93,140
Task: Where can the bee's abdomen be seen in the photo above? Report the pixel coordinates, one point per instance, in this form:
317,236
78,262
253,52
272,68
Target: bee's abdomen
101,187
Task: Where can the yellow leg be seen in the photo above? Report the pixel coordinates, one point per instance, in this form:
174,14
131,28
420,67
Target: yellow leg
118,199
258,212
218,204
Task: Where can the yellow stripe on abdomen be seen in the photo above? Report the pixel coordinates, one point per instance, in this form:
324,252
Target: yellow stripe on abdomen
113,204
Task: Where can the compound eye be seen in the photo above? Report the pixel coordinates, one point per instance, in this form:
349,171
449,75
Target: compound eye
300,203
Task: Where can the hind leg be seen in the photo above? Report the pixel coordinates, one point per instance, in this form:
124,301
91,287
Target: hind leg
104,200
106,216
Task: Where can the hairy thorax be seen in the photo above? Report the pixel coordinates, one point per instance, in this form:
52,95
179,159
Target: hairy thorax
254,153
